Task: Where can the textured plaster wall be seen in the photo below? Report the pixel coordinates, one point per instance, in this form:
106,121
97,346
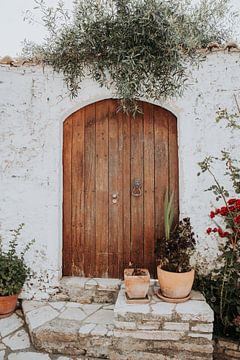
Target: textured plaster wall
33,105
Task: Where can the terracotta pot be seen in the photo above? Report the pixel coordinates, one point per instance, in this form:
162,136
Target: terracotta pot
7,305
136,285
175,285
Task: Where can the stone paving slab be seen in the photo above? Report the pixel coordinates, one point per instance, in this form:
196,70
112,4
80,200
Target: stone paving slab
18,340
17,344
10,324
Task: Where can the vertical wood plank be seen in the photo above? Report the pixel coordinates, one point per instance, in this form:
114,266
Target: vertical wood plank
137,202
115,190
173,163
102,188
126,188
121,238
78,193
90,192
161,167
67,197
149,208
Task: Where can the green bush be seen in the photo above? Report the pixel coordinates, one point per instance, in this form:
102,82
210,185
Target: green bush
13,269
141,47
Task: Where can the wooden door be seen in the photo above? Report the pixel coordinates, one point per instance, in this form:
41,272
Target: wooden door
116,171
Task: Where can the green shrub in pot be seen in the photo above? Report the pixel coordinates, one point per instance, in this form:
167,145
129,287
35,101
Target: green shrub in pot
13,272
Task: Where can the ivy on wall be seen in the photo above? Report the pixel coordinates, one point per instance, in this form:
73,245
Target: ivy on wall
140,48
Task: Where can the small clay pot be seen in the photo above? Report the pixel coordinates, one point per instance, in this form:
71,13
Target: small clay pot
136,285
175,285
7,305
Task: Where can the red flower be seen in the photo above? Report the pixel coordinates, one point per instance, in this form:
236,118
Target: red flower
224,211
212,214
209,230
220,232
217,211
232,208
237,219
237,205
231,201
215,230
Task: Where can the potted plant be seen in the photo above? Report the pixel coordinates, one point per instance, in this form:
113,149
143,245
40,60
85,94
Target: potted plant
174,252
137,281
13,273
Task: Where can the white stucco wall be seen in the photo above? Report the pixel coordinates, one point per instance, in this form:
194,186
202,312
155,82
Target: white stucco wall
33,105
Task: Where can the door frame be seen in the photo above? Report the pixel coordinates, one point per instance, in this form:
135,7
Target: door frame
170,107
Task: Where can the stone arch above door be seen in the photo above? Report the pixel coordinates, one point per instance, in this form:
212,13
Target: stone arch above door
116,170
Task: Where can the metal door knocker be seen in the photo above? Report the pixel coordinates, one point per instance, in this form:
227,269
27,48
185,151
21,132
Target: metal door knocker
137,188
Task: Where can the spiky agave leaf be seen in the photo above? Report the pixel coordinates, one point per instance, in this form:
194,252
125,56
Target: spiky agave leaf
168,214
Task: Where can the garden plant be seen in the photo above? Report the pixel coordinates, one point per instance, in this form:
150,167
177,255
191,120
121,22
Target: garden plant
13,268
174,251
222,285
138,48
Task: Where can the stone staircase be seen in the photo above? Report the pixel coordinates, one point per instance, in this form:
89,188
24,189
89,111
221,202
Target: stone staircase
120,331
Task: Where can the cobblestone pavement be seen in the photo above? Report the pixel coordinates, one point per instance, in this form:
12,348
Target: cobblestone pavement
15,343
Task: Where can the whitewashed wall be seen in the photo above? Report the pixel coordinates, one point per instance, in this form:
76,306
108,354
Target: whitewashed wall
33,105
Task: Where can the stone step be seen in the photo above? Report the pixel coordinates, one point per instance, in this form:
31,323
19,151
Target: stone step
161,330
88,290
157,330
70,328
151,316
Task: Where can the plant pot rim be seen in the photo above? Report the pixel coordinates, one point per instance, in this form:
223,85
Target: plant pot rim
176,273
127,272
8,296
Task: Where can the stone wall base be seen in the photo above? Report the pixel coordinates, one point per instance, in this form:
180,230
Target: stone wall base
225,349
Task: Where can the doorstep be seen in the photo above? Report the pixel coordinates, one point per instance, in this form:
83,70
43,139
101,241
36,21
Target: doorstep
176,331
121,331
87,290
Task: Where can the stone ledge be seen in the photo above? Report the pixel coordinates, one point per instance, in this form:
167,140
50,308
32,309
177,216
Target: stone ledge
197,312
87,290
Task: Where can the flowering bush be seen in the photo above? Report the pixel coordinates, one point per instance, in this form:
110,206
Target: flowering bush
222,285
231,215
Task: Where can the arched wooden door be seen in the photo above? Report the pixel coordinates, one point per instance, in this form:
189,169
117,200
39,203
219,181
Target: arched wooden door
116,171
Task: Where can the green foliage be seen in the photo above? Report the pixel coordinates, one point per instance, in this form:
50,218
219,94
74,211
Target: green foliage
168,214
222,291
221,286
13,269
233,120
141,47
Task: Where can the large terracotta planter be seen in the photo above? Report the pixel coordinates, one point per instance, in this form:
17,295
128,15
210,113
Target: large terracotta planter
175,285
7,305
136,286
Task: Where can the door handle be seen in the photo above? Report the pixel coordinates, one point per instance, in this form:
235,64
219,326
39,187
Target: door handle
137,188
114,198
